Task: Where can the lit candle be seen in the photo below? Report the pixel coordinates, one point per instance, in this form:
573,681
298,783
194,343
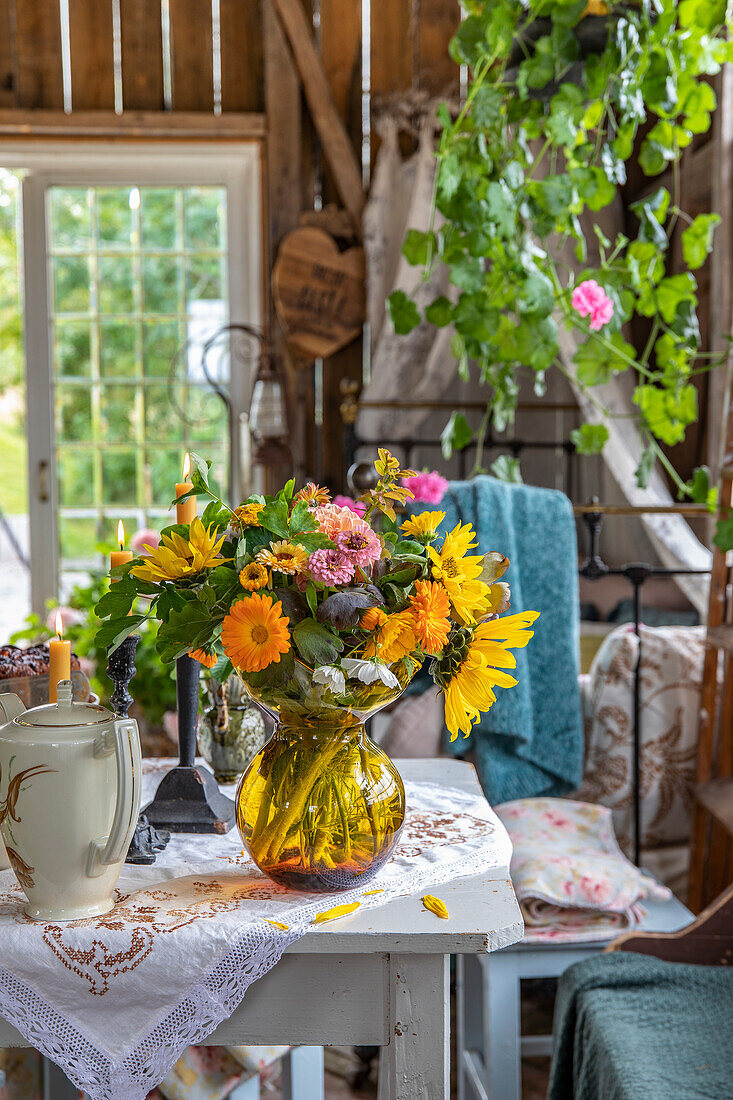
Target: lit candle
186,510
59,659
119,557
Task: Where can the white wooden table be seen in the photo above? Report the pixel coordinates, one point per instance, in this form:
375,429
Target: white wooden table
380,977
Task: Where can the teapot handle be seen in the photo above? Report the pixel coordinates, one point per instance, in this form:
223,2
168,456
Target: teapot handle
11,706
113,849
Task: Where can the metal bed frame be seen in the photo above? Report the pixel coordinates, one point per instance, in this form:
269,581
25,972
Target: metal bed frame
592,514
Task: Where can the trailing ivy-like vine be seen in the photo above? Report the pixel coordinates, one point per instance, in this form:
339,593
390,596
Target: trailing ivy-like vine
554,107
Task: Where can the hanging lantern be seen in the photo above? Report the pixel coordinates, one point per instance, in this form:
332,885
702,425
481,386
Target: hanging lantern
267,419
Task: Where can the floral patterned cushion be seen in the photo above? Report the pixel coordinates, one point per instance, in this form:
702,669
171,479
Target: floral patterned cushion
570,876
671,674
210,1073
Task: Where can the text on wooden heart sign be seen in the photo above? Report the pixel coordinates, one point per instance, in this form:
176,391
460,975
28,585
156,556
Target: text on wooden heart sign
318,292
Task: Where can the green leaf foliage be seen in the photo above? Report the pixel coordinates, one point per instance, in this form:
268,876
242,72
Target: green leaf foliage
589,439
542,144
456,435
697,239
316,644
403,313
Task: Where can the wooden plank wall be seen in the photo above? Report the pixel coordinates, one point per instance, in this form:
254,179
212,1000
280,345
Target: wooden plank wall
158,65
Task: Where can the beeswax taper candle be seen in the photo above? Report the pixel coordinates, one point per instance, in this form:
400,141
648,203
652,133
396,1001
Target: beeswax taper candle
59,659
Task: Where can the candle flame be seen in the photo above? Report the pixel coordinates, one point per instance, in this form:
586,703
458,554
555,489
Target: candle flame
121,534
59,624
186,466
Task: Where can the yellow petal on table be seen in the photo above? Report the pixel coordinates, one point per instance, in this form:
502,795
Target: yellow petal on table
368,892
337,911
284,927
437,906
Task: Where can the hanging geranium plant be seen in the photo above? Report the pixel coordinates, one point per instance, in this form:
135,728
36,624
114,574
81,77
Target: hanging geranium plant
558,93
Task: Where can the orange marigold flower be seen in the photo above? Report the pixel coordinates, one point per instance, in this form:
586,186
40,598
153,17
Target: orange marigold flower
373,618
253,576
395,638
430,609
208,660
255,633
314,494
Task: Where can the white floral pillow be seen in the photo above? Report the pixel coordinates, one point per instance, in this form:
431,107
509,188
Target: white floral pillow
571,878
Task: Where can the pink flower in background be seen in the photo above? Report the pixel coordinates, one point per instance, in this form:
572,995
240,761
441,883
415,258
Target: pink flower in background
69,615
330,567
357,506
591,300
170,725
428,487
360,546
143,538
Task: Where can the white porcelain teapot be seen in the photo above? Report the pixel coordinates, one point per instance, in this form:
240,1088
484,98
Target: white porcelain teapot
70,778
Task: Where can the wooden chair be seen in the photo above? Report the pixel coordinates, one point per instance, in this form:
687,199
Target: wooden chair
708,941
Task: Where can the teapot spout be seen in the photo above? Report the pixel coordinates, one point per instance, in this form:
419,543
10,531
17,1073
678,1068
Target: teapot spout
11,706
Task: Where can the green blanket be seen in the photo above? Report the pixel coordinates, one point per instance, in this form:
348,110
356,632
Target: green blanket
629,1027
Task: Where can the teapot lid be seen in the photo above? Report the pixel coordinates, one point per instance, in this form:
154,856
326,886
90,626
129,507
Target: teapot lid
65,712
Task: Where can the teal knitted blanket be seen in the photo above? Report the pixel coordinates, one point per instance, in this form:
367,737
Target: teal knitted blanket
630,1027
530,742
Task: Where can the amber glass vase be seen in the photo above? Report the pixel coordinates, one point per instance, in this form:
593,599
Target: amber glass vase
320,807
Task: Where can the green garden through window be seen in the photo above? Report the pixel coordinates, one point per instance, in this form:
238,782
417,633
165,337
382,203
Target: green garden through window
138,281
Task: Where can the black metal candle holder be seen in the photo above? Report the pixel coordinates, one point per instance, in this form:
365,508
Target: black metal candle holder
188,799
121,669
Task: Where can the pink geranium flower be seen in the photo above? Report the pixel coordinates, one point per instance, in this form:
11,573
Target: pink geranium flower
591,300
330,567
428,487
357,506
144,538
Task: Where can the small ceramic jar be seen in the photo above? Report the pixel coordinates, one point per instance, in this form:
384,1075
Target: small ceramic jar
69,801
231,730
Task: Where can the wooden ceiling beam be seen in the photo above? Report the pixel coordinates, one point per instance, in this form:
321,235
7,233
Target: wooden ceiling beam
180,125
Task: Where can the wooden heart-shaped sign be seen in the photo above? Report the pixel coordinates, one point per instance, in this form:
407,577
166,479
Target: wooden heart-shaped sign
318,292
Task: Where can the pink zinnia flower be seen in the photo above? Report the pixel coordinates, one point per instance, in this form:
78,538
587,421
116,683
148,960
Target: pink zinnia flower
143,538
357,506
428,487
331,519
591,300
361,546
330,567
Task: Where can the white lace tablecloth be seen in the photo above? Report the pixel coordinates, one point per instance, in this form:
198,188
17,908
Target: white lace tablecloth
115,999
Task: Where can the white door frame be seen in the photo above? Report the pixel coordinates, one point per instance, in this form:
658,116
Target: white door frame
234,165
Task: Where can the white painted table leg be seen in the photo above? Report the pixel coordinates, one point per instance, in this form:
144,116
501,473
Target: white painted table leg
416,1064
502,1026
303,1074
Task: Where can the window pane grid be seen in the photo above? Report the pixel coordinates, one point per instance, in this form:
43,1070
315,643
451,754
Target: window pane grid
139,281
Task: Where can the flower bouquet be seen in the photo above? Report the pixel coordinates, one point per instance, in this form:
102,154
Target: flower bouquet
326,613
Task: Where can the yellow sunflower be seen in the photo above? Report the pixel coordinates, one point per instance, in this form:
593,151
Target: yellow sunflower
284,557
205,547
459,574
424,526
255,633
253,576
175,557
246,515
430,610
208,660
470,689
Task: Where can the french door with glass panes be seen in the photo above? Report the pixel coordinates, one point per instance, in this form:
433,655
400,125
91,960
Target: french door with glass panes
132,259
